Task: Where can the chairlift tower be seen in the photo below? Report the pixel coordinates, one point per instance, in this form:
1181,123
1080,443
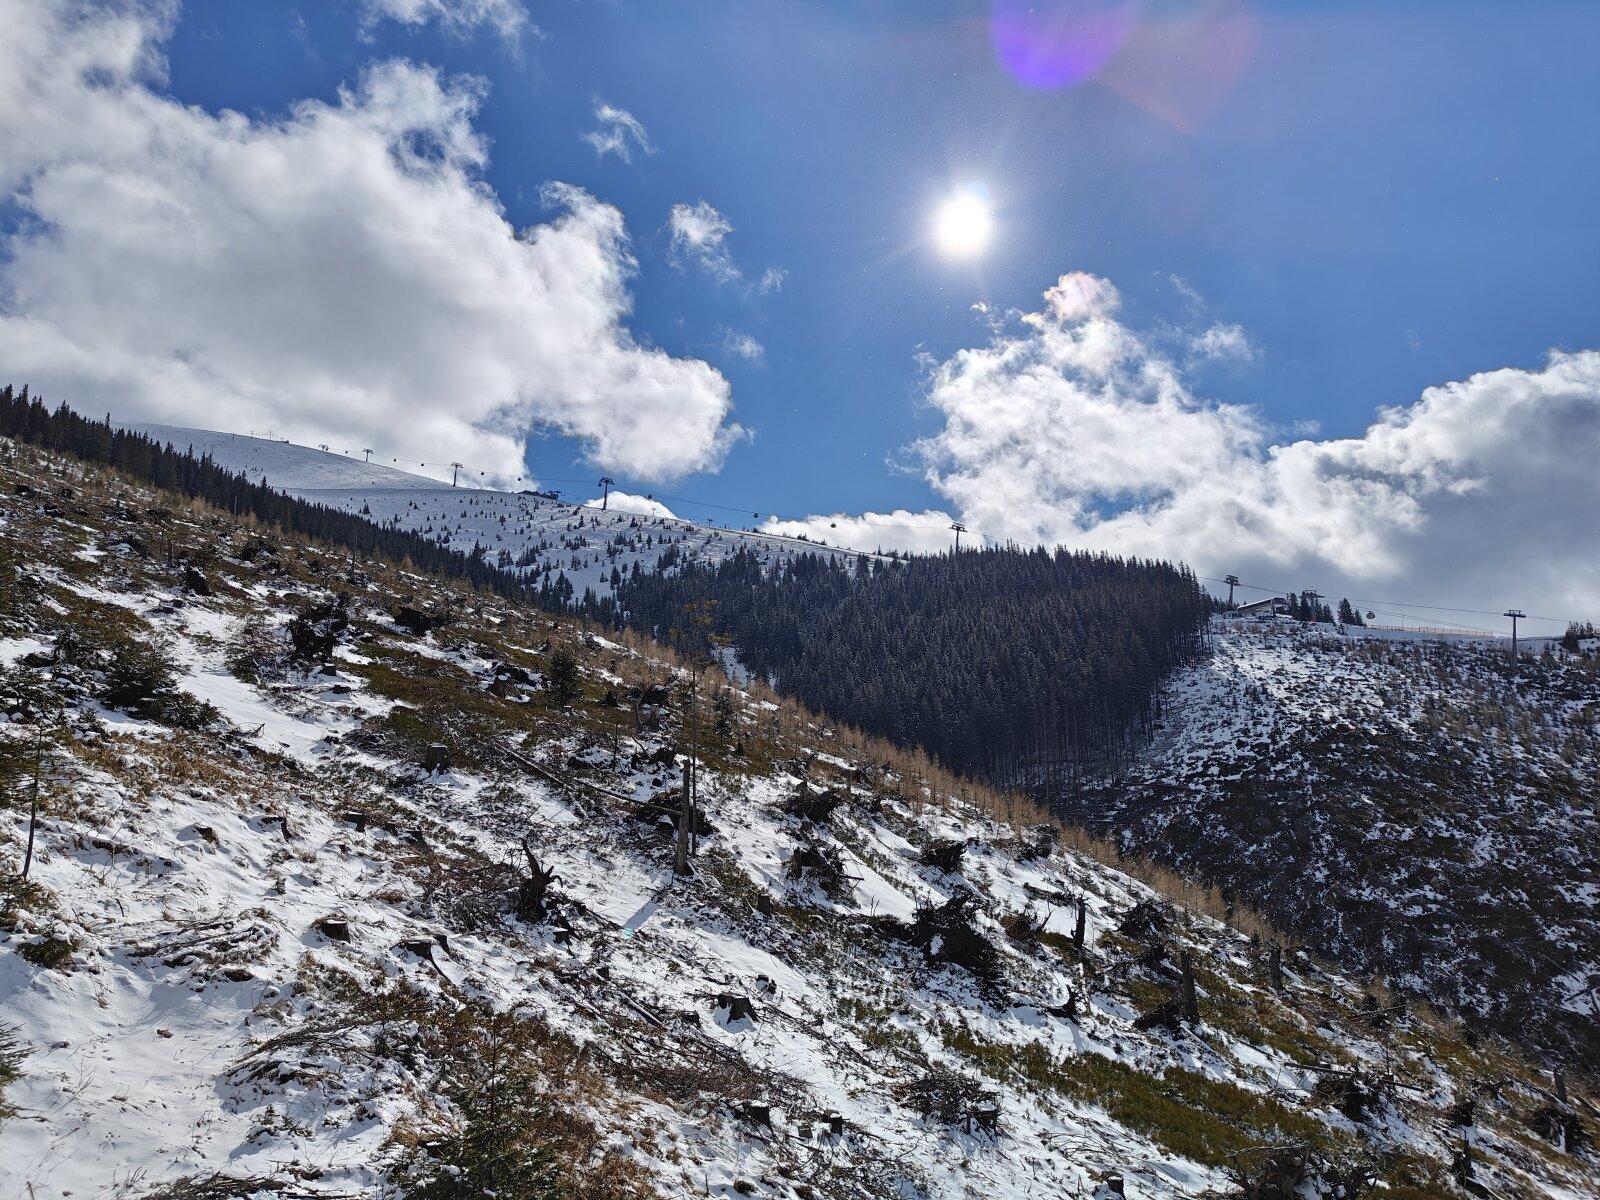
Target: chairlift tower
1232,581
455,472
1515,614
606,483
959,530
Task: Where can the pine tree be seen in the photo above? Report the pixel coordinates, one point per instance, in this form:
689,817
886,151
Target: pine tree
561,680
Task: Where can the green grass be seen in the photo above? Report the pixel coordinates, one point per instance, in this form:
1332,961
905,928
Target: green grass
1185,1113
52,953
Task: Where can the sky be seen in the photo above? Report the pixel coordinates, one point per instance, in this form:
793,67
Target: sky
1299,292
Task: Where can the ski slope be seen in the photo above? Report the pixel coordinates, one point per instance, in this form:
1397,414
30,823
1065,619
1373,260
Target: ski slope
534,533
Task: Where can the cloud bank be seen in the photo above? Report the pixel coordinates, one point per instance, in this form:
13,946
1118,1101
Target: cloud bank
1069,427
339,273
903,530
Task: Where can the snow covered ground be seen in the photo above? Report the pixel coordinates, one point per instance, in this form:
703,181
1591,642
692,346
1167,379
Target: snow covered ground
266,944
519,530
1413,803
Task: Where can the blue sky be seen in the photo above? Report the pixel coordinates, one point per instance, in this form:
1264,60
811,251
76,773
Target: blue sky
1389,196
1360,201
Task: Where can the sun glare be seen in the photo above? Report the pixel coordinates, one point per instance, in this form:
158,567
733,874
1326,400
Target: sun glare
963,225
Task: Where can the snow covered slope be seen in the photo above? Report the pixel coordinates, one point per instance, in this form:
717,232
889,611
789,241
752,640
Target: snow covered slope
1423,807
329,899
548,540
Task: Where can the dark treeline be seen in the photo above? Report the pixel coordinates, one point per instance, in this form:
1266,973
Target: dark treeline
26,419
1022,667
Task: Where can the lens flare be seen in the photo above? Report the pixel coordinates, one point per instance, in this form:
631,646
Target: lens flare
1048,44
963,224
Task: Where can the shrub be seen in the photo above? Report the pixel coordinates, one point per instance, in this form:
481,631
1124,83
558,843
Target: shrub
491,1069
139,679
12,1052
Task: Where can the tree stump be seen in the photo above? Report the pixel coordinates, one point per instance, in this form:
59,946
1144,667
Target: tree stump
335,929
737,1008
755,1111
945,855
1186,990
533,893
436,759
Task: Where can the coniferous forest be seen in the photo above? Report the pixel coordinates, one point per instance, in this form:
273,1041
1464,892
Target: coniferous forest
1023,667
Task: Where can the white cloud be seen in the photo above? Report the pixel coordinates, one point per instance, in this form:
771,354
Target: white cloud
742,344
1074,429
625,504
925,532
699,233
620,133
1191,296
1223,343
340,274
506,17
772,280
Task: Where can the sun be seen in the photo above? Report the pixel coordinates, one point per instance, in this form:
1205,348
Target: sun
963,225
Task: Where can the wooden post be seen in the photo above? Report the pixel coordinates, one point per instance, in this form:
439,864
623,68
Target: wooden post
1079,928
1275,964
1191,1001
33,807
680,846
1559,1078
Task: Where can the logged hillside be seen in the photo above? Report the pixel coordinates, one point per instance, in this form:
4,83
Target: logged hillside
1426,809
1018,667
354,881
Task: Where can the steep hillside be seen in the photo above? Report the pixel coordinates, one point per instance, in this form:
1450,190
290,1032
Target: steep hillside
346,882
1423,808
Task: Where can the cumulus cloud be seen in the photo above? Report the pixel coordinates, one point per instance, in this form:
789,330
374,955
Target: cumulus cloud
619,133
1070,427
699,234
339,273
909,532
506,17
626,504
